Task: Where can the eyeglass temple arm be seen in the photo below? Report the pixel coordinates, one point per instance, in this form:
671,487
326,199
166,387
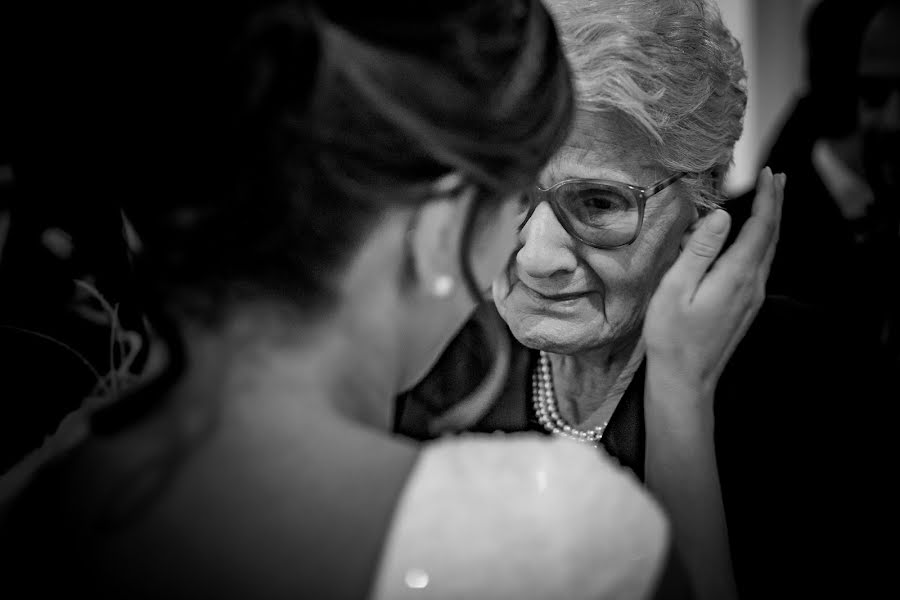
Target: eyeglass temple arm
664,183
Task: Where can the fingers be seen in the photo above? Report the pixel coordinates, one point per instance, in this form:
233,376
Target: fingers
700,252
756,236
746,263
764,203
780,181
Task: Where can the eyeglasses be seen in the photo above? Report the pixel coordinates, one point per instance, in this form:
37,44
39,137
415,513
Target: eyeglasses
598,212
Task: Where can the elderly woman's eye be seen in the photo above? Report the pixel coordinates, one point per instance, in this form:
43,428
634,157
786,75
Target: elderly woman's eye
598,207
603,202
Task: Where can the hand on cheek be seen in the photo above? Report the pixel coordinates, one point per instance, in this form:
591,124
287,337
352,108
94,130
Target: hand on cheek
696,221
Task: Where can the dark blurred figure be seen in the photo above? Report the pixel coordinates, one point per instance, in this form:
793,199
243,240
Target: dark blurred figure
837,248
879,125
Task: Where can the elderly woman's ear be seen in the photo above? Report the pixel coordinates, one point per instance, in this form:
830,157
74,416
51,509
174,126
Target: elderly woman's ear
692,226
717,174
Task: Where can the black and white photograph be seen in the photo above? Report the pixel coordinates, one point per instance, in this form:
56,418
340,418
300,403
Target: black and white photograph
432,299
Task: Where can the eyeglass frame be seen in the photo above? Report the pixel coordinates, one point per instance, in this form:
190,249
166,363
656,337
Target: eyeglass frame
640,195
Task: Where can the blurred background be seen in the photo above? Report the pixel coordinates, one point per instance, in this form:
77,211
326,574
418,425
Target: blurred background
771,34
71,324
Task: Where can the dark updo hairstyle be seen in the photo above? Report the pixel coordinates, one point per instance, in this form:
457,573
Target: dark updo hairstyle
254,153
253,145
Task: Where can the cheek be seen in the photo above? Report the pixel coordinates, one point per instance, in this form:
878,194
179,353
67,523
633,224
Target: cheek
627,285
631,275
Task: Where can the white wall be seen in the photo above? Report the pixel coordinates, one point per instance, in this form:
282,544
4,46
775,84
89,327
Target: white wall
771,36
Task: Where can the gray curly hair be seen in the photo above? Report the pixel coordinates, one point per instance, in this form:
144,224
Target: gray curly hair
672,69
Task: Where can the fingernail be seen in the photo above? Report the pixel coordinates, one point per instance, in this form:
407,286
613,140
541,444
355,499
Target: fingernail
717,222
783,179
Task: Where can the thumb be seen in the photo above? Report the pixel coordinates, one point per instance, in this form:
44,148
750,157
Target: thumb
701,249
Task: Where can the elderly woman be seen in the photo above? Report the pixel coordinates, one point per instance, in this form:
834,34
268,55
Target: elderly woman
660,106
319,229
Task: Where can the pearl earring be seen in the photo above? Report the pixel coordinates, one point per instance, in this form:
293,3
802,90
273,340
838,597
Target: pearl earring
443,285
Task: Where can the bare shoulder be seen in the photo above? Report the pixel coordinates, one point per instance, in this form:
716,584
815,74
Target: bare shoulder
522,516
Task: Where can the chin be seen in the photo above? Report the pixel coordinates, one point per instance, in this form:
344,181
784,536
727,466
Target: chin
552,334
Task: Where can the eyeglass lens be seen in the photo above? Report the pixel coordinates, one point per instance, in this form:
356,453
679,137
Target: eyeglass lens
599,214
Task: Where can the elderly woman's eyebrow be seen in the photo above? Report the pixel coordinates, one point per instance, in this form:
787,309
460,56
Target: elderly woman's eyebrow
576,162
583,163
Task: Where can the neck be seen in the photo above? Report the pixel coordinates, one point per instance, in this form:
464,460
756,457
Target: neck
588,385
277,366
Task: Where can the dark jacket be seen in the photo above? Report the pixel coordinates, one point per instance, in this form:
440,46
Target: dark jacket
798,443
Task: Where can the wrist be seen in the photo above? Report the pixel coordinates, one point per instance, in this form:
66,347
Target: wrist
680,383
678,402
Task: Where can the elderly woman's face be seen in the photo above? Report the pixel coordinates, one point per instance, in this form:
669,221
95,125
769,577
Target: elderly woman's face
564,296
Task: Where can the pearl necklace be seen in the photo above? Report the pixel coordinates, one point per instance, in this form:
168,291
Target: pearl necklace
547,411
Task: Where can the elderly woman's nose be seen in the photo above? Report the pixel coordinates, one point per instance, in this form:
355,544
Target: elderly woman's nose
546,246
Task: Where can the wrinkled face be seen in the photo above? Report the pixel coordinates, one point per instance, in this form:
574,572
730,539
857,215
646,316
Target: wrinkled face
564,296
879,102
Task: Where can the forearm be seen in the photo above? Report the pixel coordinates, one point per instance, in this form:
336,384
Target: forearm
681,471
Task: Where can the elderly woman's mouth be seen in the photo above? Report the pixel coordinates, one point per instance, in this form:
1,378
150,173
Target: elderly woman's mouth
552,296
